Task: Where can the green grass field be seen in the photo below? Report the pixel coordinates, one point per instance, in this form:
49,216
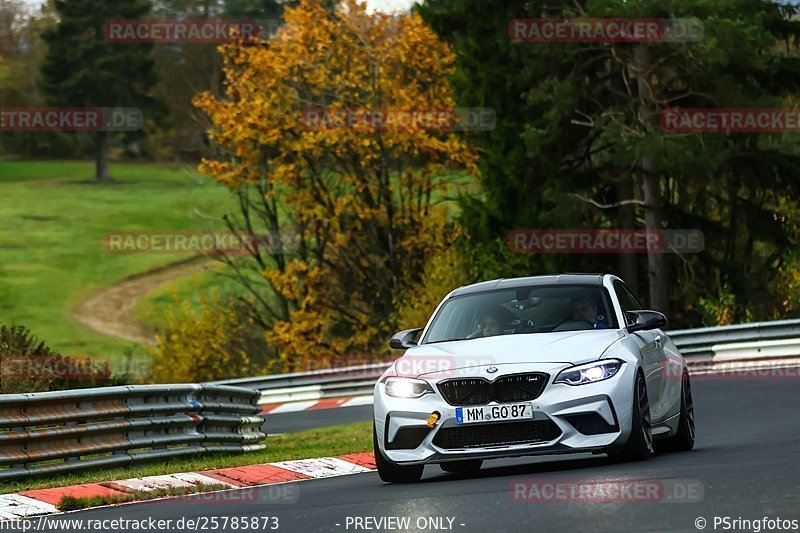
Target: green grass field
151,310
52,253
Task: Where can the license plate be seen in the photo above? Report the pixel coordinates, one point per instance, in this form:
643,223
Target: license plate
491,413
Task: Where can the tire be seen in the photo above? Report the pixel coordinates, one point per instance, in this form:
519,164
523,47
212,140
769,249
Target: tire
391,472
457,467
683,440
640,442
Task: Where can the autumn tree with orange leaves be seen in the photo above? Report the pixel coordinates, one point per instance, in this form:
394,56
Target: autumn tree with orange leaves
353,208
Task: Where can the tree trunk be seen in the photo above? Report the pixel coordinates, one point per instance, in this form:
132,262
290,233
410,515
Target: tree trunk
103,142
656,262
627,217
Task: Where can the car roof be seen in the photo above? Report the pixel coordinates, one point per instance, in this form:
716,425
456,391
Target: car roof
512,283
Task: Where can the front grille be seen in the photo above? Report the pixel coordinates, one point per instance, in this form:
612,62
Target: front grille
479,391
519,387
498,434
472,391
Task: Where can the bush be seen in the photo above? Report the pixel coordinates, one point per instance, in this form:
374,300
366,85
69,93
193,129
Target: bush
788,285
214,343
723,307
29,365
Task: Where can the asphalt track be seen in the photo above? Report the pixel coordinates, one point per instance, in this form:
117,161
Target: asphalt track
315,418
746,463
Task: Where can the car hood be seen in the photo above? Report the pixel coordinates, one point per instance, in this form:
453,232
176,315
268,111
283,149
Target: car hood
570,347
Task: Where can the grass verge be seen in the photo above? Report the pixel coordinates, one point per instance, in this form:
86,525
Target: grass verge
325,442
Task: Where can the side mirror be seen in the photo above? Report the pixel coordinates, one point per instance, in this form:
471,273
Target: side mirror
645,320
405,339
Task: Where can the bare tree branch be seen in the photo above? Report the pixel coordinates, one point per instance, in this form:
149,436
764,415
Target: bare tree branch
632,201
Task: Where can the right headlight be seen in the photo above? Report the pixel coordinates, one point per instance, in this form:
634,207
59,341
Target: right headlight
407,387
589,373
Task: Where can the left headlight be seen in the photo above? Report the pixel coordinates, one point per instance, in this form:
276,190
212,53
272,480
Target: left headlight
590,373
407,387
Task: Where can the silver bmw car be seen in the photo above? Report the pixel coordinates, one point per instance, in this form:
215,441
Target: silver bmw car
526,366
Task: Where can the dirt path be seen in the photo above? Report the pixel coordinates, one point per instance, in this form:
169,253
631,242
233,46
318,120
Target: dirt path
110,311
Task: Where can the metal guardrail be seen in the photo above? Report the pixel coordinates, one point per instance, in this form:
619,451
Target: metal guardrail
701,340
700,346
67,431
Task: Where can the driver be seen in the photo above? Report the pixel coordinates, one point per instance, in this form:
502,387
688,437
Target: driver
490,322
585,309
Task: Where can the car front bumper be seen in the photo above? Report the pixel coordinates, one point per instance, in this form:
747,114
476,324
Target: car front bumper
559,411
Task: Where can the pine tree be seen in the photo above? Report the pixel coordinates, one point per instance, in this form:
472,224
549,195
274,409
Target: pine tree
578,141
83,70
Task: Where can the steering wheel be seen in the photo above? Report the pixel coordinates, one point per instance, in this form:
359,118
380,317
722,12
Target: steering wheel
523,326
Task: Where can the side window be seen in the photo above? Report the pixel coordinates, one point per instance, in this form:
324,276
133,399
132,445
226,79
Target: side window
626,300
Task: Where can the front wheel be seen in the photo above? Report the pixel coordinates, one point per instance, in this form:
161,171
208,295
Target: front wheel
390,472
640,441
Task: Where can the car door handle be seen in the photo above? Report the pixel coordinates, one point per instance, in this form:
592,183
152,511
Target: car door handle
659,342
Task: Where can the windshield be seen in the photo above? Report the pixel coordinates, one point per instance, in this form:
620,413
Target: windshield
529,309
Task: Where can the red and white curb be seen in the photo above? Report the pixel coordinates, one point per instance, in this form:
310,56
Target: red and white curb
13,506
328,403
43,501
